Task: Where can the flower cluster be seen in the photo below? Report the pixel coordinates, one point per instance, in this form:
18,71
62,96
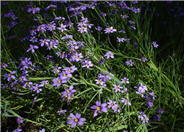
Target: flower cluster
68,93
143,117
113,106
141,89
65,75
103,78
84,25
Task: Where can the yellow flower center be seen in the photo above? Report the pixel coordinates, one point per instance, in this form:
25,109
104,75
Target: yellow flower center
68,91
69,69
66,96
76,120
64,74
98,108
9,75
112,104
59,81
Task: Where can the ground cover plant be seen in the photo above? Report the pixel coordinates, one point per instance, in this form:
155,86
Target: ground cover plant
89,66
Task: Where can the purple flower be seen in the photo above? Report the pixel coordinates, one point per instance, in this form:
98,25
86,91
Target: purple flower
87,64
12,24
150,96
77,57
3,65
36,88
42,28
113,105
11,14
125,80
141,89
67,37
25,64
51,26
32,47
101,61
58,81
105,77
143,59
27,84
116,108
109,54
143,117
9,76
125,101
17,130
22,79
110,30
70,69
124,91
43,83
123,39
61,111
133,27
65,75
44,42
82,29
155,45
62,27
53,6
124,16
43,130
99,108
33,10
156,117
19,120
68,93
160,111
52,44
129,63
104,14
73,48
150,104
56,69
121,31
100,82
61,54
73,120
117,88
33,39
98,28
